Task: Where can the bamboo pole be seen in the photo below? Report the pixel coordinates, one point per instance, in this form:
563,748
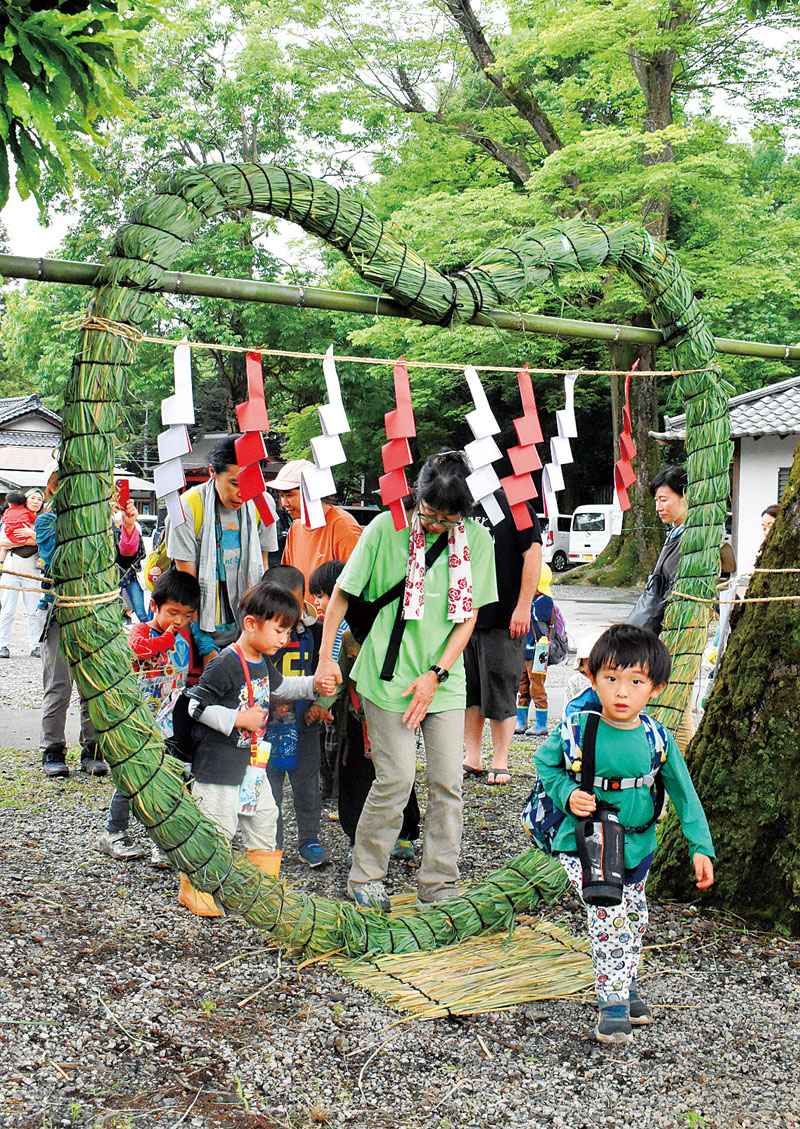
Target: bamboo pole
353,302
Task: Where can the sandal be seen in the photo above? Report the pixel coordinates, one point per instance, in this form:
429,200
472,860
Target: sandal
468,771
495,775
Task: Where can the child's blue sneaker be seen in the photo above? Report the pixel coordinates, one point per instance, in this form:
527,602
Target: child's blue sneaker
370,895
640,1013
313,854
403,849
613,1024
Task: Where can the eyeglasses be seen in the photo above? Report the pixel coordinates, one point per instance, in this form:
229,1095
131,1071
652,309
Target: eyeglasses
430,518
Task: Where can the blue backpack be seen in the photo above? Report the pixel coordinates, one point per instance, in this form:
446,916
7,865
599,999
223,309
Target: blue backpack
541,819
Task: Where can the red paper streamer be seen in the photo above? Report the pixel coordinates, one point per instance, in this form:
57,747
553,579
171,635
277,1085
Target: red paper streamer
519,488
250,448
396,454
624,474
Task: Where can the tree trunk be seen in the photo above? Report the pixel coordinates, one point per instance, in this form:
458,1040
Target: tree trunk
745,757
628,558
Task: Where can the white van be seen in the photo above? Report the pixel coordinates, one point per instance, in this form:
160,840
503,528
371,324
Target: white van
591,530
555,540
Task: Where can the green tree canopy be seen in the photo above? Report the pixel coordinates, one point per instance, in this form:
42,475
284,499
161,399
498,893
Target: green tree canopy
64,66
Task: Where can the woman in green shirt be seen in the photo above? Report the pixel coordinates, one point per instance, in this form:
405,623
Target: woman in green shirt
410,672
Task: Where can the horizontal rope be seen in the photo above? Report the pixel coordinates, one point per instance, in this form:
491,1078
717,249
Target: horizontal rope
29,575
131,335
743,600
89,600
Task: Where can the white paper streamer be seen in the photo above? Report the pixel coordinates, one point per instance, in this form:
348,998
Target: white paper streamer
483,451
176,412
326,449
560,448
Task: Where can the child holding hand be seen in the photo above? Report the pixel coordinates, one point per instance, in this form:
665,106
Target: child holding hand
628,667
230,706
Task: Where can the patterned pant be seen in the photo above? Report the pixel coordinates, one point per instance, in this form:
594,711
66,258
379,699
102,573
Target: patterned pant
615,934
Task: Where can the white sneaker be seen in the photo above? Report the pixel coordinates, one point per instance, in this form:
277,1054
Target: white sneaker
370,895
119,845
159,859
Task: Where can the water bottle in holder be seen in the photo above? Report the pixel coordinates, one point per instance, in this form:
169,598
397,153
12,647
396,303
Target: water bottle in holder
600,838
600,842
541,653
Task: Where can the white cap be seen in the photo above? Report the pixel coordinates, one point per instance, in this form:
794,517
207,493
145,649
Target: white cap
586,643
288,478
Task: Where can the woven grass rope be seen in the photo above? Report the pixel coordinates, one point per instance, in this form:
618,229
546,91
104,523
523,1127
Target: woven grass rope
92,636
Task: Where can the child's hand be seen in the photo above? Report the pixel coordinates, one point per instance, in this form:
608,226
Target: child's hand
251,719
582,803
704,869
318,713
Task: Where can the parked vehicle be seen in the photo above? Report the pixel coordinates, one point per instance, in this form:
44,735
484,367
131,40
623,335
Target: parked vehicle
591,530
555,540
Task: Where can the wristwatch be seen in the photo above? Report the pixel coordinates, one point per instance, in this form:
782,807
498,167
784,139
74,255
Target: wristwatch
440,673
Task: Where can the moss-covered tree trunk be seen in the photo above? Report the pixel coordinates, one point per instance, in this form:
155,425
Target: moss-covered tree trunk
745,757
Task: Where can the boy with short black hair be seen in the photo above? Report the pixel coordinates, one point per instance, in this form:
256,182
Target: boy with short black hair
162,651
292,729
628,667
231,705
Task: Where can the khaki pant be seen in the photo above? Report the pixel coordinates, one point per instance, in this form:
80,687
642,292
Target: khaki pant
395,760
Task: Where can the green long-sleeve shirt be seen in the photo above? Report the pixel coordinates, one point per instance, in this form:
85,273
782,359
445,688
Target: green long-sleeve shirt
625,753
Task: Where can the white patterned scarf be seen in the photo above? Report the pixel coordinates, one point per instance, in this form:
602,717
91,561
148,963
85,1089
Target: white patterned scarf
459,582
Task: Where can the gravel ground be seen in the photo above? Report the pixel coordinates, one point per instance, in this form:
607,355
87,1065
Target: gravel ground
122,1011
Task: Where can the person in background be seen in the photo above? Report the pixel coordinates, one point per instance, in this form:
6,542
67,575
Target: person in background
56,674
292,730
230,551
21,572
579,694
409,671
768,519
130,553
495,654
669,493
537,651
307,548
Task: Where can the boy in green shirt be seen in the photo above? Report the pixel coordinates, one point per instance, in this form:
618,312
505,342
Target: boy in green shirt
627,667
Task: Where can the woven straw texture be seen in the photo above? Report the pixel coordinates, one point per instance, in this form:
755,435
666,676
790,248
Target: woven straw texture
92,636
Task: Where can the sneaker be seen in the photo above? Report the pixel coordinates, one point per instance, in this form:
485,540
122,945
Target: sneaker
159,859
613,1024
640,1013
92,760
36,653
5,653
403,849
313,854
119,845
370,895
54,761
436,897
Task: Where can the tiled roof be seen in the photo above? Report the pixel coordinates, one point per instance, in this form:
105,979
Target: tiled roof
774,410
12,407
29,439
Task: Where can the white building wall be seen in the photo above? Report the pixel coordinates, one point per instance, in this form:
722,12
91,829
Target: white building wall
760,460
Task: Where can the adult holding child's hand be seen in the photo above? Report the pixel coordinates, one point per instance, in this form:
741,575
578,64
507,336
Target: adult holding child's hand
409,670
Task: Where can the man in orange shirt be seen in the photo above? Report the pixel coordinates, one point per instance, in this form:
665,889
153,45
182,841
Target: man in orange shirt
306,548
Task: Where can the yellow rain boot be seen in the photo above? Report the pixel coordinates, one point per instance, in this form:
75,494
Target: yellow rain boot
196,901
268,862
